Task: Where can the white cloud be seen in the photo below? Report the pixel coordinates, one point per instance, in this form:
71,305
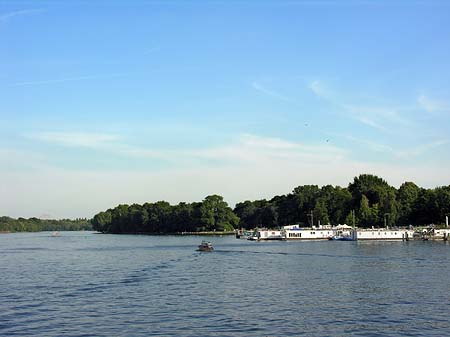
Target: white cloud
398,152
370,122
423,148
267,142
66,79
319,89
8,16
250,167
373,146
259,87
432,105
251,149
245,148
70,193
75,139
382,118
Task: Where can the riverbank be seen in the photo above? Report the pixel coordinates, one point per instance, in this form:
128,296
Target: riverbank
207,233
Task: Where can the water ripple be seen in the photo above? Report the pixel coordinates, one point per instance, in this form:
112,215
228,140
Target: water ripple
106,285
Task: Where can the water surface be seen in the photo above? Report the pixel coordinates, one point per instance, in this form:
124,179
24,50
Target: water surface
85,284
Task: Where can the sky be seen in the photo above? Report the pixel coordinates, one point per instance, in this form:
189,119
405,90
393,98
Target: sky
103,103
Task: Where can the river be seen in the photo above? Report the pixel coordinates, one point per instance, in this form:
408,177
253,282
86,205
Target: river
86,284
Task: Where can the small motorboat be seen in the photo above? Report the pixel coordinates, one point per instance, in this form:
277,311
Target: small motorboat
205,246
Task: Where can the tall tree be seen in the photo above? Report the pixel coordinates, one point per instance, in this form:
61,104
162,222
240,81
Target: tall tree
407,196
216,215
364,213
321,212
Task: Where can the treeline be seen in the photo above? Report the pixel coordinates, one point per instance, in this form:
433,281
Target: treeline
8,224
212,214
367,201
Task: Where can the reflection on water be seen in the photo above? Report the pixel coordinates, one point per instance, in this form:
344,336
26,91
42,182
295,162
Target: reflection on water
84,284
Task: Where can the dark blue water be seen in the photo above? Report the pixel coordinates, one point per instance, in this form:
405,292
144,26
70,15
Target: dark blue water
84,284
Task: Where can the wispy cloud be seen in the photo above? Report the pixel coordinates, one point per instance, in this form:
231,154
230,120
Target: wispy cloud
432,105
249,167
370,122
259,87
371,145
151,50
103,142
75,139
382,118
8,16
399,152
319,89
376,116
66,79
423,148
251,149
244,149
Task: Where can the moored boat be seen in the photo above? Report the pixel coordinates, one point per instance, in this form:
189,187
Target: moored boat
266,235
382,234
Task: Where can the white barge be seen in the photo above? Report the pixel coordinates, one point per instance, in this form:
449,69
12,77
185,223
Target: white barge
382,234
296,233
434,234
267,235
315,233
308,234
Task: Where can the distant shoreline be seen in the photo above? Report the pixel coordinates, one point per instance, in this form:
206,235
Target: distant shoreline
208,233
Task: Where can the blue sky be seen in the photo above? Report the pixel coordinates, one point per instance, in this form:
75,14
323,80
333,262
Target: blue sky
119,102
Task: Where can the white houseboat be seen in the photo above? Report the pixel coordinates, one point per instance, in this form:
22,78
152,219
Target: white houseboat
266,235
435,234
382,234
309,233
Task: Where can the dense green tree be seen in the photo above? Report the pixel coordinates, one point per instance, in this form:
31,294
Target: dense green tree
364,212
182,218
119,221
374,201
421,210
305,197
8,224
351,219
102,221
381,199
321,212
442,195
247,213
269,216
287,209
338,203
159,217
373,187
137,218
216,215
407,196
